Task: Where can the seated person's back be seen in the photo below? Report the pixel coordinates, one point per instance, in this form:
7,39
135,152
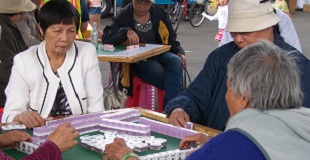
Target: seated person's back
11,40
204,100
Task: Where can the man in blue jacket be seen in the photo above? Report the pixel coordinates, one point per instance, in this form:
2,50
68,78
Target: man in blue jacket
204,100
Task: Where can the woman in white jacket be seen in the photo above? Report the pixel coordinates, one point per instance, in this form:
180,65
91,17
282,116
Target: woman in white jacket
56,78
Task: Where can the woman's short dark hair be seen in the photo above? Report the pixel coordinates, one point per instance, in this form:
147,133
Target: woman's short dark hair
58,12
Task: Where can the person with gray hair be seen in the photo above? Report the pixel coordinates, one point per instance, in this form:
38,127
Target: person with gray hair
264,99
204,100
263,91
266,76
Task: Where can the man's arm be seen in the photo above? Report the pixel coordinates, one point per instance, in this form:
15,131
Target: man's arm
84,16
195,101
115,34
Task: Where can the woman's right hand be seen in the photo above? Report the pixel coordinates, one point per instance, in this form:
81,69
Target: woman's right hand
189,141
30,119
132,36
63,136
10,139
117,150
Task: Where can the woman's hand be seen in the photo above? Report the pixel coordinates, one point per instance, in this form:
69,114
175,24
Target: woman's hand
116,150
30,119
10,139
63,136
132,36
189,141
183,59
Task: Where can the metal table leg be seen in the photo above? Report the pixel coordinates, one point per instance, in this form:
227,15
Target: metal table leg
115,8
114,72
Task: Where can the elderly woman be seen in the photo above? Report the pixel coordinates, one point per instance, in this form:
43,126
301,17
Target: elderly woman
11,40
56,78
264,98
143,22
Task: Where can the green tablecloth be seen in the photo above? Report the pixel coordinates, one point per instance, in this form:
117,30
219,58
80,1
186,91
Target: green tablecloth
80,153
102,52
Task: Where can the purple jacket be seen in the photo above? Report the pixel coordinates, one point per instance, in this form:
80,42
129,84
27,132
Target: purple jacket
48,151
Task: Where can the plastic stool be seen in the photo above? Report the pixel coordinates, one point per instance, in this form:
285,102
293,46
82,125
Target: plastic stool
144,96
1,112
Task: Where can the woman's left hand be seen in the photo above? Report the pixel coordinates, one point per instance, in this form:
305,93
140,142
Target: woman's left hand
189,141
183,59
30,119
116,150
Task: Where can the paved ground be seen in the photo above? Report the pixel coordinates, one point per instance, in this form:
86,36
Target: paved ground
199,42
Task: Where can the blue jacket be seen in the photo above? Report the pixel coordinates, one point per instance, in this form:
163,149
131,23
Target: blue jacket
228,145
204,99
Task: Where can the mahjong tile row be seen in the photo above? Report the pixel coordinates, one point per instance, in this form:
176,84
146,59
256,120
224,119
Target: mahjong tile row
169,155
98,142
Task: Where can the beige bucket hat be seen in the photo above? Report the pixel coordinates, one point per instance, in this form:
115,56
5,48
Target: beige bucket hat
250,15
16,6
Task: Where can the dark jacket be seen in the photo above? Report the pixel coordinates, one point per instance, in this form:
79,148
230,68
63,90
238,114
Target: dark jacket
117,32
11,43
204,99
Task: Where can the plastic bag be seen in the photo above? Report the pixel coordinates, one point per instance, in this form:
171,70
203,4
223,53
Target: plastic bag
111,102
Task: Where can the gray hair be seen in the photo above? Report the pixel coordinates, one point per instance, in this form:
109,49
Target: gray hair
268,75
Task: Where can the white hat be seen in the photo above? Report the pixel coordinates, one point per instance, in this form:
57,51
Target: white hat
16,6
250,15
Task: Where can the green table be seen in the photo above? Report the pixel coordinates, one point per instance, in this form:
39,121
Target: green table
80,153
110,56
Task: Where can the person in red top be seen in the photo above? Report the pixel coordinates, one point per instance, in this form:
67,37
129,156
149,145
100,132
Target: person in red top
61,140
